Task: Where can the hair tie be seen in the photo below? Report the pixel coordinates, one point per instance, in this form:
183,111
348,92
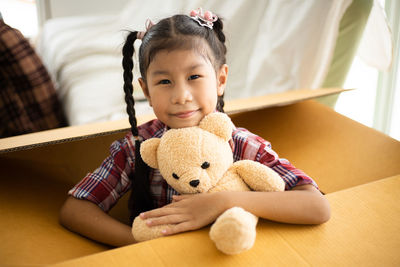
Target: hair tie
148,25
206,19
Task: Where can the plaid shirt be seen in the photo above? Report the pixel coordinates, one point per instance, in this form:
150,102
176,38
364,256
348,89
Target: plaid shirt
111,181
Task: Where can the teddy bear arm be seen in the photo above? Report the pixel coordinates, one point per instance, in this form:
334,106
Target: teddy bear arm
142,232
258,176
230,182
234,231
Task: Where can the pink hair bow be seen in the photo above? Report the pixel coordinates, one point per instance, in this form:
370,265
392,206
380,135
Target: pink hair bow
206,19
148,25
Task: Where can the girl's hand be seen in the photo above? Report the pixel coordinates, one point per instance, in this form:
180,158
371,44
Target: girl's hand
187,212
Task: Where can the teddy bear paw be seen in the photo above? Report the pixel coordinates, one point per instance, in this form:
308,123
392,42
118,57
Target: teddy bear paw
234,231
142,232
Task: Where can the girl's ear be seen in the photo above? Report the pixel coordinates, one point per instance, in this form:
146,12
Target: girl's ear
145,89
222,79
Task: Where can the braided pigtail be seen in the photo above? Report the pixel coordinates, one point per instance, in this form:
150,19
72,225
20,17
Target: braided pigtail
127,64
218,29
221,104
140,199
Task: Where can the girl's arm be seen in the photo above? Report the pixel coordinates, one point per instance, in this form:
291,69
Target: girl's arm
87,219
301,205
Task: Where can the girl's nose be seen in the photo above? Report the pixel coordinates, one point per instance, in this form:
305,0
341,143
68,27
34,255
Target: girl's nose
181,94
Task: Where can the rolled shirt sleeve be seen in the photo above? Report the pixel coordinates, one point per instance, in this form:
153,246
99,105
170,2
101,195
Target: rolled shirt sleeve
108,183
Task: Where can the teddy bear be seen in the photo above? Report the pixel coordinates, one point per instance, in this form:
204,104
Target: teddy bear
199,159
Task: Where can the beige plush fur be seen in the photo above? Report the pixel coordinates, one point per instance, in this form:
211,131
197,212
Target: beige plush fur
183,152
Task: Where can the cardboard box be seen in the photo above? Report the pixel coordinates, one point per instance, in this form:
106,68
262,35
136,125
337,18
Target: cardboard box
363,231
38,169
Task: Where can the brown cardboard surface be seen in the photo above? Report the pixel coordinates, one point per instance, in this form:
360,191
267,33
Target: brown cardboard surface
364,231
34,184
338,152
104,128
30,233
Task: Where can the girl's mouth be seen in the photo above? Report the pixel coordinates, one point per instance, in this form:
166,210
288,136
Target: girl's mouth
185,114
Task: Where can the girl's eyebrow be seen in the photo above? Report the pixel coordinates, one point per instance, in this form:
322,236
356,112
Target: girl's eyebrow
159,72
164,72
195,66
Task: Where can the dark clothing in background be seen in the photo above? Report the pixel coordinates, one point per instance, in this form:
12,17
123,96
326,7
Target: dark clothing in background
28,100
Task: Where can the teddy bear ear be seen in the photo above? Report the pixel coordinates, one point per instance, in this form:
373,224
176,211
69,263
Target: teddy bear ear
219,124
148,151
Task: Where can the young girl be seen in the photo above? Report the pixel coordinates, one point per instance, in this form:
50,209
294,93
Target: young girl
184,74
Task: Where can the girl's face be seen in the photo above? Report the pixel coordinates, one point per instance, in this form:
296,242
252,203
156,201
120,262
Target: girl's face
182,87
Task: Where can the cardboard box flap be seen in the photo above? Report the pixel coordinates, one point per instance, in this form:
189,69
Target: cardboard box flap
369,237
72,133
278,99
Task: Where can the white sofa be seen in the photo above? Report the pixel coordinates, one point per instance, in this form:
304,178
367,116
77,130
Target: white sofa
273,46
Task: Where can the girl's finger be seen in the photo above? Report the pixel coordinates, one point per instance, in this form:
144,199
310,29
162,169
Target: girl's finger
156,213
179,228
170,219
179,197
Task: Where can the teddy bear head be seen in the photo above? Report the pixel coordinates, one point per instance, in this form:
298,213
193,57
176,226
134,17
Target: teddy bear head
192,159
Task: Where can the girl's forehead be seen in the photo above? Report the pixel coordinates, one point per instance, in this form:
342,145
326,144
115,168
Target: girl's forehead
179,57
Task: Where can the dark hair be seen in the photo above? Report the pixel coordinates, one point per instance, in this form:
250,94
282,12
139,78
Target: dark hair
176,32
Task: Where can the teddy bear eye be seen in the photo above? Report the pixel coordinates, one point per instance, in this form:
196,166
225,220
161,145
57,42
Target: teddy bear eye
175,175
205,165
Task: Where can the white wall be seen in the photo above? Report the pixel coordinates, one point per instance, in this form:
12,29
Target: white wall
60,8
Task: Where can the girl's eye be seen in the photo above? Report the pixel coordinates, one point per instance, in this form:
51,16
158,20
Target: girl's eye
194,77
164,82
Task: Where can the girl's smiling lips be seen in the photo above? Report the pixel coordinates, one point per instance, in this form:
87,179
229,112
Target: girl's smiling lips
184,114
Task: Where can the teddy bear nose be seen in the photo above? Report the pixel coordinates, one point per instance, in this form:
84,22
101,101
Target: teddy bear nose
194,183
